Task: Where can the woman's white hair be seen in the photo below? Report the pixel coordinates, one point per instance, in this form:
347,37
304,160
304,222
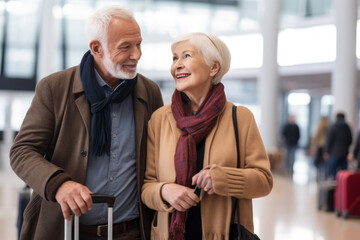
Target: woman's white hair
212,49
98,23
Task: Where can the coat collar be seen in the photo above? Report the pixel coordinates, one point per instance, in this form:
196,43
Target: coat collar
80,99
77,86
141,101
140,91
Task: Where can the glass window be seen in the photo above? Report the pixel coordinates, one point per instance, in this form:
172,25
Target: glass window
75,38
240,92
307,45
167,88
244,93
19,107
19,62
248,14
224,20
2,22
292,8
319,7
21,38
327,102
156,56
19,104
2,111
245,49
58,37
295,9
152,23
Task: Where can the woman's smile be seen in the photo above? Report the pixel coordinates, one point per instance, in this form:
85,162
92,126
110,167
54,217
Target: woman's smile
182,75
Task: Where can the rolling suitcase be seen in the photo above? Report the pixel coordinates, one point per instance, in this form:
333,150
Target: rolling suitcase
24,199
326,196
347,193
96,198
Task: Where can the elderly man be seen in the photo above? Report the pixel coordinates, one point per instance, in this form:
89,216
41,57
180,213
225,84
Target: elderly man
86,132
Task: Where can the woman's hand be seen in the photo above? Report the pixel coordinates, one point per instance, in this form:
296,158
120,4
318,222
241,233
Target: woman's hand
203,180
180,197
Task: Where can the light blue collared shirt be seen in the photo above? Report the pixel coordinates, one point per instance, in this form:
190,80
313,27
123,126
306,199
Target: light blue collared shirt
115,174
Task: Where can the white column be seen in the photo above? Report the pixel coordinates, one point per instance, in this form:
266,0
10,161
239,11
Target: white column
344,82
47,46
268,82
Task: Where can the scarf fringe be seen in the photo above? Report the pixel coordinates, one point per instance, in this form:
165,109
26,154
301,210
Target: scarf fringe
178,232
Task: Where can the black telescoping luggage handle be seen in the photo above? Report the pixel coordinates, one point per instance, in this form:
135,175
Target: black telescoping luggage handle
103,198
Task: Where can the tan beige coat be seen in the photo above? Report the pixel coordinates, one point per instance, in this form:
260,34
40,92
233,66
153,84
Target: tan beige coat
55,137
255,180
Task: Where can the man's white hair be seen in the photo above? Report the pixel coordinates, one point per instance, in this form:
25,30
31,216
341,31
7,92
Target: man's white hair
98,23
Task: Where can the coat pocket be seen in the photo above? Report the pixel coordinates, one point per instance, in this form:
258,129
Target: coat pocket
33,208
31,217
160,226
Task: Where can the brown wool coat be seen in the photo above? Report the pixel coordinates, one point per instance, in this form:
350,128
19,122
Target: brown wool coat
55,137
255,180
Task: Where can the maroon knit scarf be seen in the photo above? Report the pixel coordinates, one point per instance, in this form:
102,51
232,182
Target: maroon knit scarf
193,129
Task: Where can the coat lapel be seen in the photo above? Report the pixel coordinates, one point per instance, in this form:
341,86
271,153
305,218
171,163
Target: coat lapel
81,101
140,112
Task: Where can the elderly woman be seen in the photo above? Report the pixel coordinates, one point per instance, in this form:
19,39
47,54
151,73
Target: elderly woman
191,143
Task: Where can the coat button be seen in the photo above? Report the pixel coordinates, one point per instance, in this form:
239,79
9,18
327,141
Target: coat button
83,153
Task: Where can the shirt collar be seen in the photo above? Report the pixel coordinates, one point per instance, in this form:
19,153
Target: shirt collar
99,79
103,84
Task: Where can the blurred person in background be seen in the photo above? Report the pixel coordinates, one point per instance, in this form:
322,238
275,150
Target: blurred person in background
191,143
318,144
354,157
291,135
85,132
338,141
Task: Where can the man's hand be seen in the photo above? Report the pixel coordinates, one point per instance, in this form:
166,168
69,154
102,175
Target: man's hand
203,180
180,197
74,196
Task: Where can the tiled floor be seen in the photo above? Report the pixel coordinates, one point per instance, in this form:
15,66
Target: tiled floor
288,213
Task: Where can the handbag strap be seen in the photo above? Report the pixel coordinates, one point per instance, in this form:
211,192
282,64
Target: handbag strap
236,204
236,135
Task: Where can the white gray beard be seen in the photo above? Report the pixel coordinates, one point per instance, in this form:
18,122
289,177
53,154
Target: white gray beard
115,69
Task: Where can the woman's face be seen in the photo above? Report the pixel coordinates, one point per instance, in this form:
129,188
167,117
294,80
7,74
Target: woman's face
191,73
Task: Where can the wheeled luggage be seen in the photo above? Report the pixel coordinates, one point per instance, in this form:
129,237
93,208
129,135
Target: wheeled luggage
96,198
347,193
326,192
24,199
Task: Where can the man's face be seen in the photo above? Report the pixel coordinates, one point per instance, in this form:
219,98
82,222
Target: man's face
123,49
